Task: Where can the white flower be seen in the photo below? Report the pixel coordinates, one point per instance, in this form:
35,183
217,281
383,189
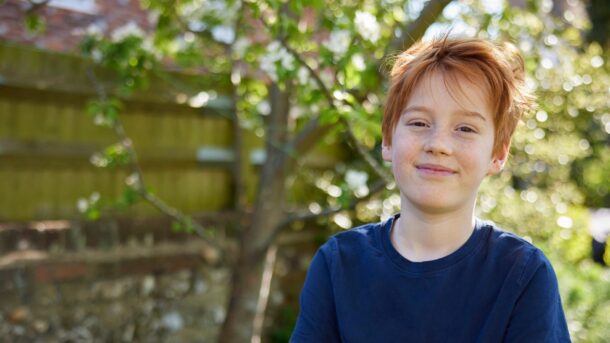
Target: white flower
197,25
224,34
267,64
98,160
127,30
153,17
287,60
338,42
367,26
149,46
82,205
97,55
94,197
358,62
240,46
276,53
132,180
213,8
216,6
94,30
303,75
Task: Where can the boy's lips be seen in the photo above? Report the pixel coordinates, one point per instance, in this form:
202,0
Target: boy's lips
435,169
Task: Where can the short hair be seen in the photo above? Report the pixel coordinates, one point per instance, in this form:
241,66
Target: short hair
499,67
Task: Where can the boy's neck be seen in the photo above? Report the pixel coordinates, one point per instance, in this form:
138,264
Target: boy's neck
424,237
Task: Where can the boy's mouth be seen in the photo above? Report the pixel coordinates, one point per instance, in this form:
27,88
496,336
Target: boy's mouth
435,169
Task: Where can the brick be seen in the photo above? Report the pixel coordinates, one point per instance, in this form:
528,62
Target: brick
54,272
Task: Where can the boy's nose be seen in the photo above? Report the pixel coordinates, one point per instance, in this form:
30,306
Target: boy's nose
438,142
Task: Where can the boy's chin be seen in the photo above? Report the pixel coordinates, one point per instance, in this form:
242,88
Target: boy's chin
437,209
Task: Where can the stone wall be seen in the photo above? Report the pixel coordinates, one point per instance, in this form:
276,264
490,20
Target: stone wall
184,306
137,289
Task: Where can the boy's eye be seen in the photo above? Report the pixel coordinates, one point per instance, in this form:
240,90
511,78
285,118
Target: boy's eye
467,129
418,124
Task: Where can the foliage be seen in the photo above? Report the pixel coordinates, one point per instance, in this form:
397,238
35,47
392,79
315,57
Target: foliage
34,23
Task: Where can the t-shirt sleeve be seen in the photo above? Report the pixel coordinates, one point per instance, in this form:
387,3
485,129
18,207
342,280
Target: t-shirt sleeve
538,315
317,321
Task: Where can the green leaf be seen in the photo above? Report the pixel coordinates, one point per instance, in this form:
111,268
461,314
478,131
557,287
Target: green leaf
35,24
329,115
176,226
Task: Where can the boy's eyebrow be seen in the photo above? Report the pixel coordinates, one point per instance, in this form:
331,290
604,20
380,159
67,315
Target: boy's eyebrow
429,111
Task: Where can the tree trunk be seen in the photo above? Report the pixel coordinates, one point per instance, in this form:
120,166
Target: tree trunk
248,271
268,214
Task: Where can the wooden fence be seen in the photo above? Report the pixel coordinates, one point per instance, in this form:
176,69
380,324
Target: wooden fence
47,140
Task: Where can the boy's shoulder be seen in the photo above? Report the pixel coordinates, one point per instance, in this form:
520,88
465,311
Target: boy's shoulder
356,239
357,233
507,246
502,238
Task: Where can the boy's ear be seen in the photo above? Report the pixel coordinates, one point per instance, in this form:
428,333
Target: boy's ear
386,151
498,161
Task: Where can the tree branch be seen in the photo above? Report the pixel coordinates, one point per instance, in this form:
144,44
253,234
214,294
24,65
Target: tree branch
416,29
366,155
139,184
312,132
360,149
308,215
302,62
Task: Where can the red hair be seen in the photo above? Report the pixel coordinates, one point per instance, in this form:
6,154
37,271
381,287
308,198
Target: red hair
497,68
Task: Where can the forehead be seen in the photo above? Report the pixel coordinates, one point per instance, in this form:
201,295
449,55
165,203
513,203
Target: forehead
451,89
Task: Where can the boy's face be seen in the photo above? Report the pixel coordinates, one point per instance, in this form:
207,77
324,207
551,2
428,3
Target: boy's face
441,148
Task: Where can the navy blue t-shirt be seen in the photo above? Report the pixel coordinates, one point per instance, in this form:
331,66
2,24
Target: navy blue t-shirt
496,287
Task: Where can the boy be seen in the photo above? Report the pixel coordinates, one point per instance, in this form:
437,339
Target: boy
434,272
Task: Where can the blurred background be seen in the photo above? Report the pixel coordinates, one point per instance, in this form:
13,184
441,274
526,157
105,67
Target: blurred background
168,168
